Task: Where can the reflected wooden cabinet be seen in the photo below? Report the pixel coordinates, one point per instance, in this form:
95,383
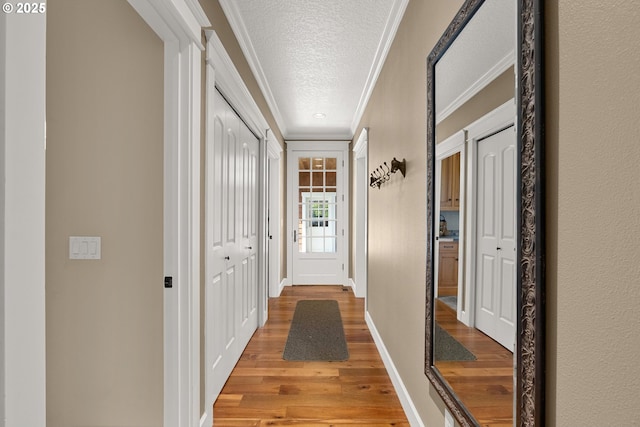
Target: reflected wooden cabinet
448,269
450,178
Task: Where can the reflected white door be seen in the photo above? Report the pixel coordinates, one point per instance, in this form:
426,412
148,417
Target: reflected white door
231,291
317,206
496,237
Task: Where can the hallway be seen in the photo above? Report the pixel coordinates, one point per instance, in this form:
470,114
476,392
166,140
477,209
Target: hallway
266,390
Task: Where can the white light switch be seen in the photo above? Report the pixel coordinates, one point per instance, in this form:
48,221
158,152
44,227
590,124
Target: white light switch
84,247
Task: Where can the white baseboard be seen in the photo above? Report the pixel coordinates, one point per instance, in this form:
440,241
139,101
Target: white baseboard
205,420
284,282
352,284
405,400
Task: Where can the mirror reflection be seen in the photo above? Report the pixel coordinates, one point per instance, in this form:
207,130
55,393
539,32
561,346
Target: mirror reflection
475,218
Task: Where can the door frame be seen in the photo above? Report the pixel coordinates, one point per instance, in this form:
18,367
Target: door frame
179,24
321,146
222,74
496,120
361,217
450,146
274,272
22,220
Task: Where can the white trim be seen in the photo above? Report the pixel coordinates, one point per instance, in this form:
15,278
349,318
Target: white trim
230,83
206,420
178,23
500,67
403,394
275,205
361,214
450,146
360,147
312,145
274,150
283,283
233,15
223,75
395,17
22,220
501,117
180,20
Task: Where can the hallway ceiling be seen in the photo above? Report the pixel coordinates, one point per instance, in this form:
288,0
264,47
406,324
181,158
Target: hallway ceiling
316,61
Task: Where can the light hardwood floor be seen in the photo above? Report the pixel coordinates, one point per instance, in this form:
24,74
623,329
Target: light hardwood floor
265,390
485,385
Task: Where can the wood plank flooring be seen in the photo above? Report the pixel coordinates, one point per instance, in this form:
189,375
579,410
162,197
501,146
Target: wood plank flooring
265,390
484,385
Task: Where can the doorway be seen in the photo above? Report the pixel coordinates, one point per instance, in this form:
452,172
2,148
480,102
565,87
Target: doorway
318,226
490,255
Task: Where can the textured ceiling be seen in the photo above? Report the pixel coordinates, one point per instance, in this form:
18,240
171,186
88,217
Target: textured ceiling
313,56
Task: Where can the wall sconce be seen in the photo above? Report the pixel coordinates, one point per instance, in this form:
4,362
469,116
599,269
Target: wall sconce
380,175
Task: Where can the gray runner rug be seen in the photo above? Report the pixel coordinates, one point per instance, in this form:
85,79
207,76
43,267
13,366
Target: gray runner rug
316,332
447,348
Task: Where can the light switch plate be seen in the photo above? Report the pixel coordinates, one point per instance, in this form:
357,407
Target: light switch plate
85,247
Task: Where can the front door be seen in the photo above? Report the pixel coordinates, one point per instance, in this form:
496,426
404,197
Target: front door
232,241
317,206
496,237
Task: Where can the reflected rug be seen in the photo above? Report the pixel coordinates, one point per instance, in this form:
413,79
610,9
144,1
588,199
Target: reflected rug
448,349
316,332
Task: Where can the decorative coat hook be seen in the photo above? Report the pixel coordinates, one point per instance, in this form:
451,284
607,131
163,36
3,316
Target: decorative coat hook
383,172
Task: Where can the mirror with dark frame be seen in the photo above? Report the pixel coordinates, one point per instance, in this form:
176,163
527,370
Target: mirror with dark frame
484,347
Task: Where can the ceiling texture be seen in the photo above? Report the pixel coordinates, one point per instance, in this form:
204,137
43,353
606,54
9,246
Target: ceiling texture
316,62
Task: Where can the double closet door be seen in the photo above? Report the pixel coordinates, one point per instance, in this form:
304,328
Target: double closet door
232,240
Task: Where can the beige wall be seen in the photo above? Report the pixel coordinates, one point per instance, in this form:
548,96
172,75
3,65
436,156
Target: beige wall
593,206
488,99
104,178
396,117
593,159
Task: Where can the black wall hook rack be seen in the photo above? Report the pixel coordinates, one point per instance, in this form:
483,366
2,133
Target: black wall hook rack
383,172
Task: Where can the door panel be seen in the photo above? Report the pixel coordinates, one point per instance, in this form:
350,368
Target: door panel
232,239
318,237
496,237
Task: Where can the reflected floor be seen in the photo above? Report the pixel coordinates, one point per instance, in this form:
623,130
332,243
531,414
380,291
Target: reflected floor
484,385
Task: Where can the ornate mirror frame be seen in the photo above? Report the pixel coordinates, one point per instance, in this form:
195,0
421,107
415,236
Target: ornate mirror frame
530,349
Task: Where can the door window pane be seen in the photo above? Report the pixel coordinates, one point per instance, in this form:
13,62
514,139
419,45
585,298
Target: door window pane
317,205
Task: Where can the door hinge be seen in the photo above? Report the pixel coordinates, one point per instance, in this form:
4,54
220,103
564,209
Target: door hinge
168,282
342,267
343,231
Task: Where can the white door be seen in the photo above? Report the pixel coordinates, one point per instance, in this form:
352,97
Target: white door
496,237
231,313
317,206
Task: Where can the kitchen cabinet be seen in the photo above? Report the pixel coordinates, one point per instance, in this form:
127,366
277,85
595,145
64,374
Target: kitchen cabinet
450,183
448,269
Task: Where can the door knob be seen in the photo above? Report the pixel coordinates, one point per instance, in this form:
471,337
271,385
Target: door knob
227,258
248,247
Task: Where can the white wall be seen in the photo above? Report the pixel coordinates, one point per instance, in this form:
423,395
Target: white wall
22,170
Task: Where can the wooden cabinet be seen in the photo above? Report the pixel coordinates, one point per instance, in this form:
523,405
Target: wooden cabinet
450,183
448,269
